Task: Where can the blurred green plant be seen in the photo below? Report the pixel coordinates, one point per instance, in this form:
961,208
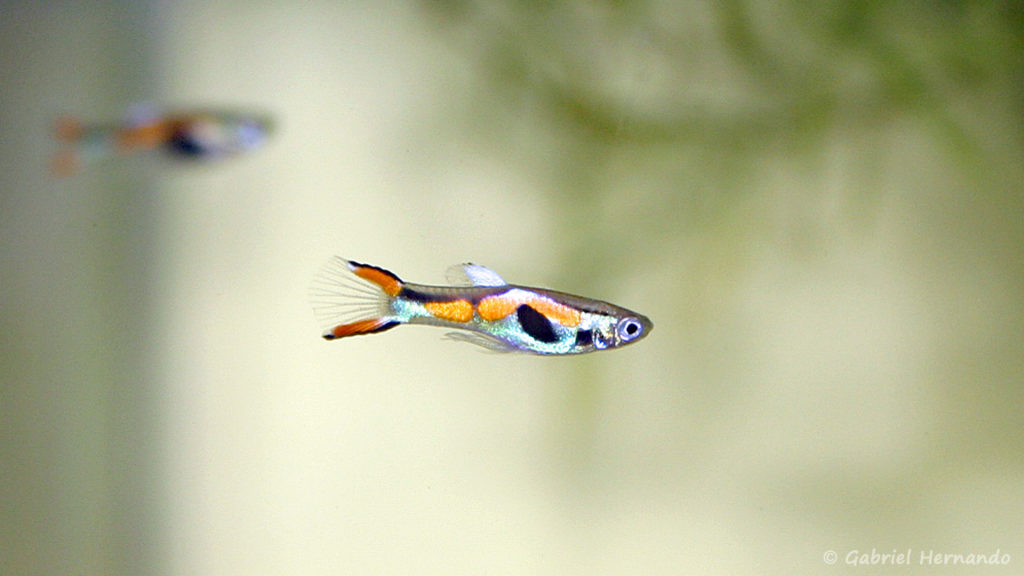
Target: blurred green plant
692,95
656,126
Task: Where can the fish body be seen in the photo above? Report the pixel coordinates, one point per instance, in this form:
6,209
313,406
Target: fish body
353,298
195,134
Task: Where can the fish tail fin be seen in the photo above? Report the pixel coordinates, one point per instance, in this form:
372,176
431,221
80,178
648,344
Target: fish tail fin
350,299
68,130
66,162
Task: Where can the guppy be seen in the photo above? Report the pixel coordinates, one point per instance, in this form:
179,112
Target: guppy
353,298
190,134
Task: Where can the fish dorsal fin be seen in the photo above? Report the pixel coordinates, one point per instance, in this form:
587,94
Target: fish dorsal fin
473,275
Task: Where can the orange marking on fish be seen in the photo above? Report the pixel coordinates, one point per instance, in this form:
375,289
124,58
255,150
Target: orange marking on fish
496,307
388,283
359,327
145,136
452,310
564,315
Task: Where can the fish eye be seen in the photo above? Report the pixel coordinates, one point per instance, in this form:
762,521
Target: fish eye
629,329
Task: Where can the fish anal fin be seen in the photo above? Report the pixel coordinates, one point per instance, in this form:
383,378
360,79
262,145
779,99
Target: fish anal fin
489,343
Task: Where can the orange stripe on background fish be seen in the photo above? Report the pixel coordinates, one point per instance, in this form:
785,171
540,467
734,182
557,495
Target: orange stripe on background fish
145,136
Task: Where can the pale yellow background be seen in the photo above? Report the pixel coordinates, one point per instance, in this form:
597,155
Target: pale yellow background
819,207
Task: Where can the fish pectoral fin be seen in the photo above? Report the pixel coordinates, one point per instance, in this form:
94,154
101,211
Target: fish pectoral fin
485,341
469,274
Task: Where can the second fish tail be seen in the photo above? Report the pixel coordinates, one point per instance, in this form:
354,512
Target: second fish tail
80,145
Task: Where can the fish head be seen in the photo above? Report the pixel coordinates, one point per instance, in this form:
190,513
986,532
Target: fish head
249,132
615,330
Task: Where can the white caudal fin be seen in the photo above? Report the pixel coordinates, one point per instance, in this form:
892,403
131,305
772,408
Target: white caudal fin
350,298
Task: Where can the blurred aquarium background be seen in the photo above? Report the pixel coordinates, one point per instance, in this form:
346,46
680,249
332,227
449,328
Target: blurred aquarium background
818,204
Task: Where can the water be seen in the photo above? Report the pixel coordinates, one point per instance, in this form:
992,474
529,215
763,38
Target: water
820,210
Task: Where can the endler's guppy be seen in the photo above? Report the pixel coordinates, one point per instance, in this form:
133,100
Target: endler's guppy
353,298
195,134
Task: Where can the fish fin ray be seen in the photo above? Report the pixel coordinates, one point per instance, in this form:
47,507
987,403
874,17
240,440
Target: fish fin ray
348,304
469,274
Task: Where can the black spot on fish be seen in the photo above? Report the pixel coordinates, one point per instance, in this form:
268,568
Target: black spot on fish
536,325
584,338
183,143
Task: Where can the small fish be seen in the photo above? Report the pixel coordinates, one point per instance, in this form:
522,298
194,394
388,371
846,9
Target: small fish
194,134
353,298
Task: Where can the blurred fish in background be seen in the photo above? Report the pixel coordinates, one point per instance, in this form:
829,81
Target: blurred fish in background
195,134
